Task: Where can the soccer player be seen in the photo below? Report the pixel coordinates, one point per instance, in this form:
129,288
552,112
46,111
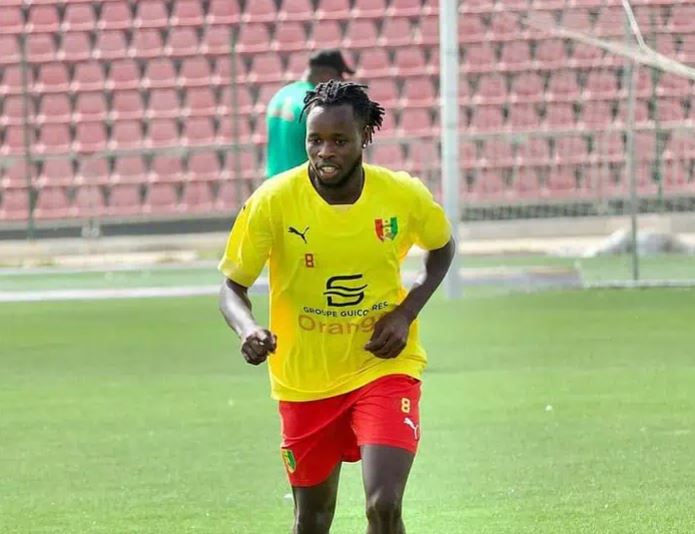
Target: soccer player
342,347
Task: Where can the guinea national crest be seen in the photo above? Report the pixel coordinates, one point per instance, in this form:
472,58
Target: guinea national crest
288,458
386,228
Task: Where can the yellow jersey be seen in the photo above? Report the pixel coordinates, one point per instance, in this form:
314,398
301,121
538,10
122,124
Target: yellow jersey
334,270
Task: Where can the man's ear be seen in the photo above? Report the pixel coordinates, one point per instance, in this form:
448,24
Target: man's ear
365,137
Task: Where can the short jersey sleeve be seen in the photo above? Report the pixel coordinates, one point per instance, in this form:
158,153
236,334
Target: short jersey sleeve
430,226
249,243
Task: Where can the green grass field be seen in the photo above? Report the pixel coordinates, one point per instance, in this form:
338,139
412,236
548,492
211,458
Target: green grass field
557,413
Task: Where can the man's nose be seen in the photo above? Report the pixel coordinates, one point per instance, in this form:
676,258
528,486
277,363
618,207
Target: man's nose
326,150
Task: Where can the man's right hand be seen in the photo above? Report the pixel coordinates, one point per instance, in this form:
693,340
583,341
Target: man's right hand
257,345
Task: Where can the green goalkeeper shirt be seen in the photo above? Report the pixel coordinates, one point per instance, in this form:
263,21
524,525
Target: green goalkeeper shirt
286,132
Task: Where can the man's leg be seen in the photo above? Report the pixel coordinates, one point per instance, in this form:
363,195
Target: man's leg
384,473
314,506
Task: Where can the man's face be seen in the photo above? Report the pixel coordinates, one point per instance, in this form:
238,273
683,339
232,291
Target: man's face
334,138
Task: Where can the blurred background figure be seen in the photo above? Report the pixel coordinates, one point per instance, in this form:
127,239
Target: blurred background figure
286,129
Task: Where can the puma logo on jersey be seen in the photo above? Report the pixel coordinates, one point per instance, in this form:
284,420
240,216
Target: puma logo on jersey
293,230
416,428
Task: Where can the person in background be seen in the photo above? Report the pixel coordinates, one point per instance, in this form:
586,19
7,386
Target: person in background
286,127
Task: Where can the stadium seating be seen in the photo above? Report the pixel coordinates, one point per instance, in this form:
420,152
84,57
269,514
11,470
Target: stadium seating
150,76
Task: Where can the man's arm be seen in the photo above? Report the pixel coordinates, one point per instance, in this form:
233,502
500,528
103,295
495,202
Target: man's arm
256,342
391,331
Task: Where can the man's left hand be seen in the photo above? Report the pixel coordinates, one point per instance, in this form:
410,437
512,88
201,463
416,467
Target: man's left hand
390,334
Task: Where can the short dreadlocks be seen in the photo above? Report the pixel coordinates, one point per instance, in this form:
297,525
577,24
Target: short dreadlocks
336,92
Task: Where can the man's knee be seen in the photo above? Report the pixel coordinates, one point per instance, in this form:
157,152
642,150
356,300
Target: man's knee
384,507
313,521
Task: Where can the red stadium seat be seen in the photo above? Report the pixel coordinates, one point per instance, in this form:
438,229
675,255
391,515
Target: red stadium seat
223,12
88,77
576,20
570,149
596,114
199,102
265,67
181,42
297,64
267,92
41,48
289,36
374,64
15,175
374,9
124,74
559,115
11,52
196,197
126,135
409,61
195,72
404,8
127,105
215,40
609,147
244,102
56,172
669,110
527,87
110,45
15,204
505,26
561,181
601,84
89,202
123,200
423,157
13,110
333,9
161,197
163,133
384,91
90,107
13,142
147,43
90,137
515,56
497,153
203,167
115,15
492,89
128,170
226,198
92,171
222,71
687,51
610,22
76,47
551,54
360,34
416,122
563,86
253,37
386,155
419,92
159,73
53,139
396,32
52,203
682,19
325,34
479,58
198,131
471,29
166,168
152,14
586,56
259,11
641,113
523,117
673,85
487,118
428,32
42,18
297,10
187,13
54,108
78,17
535,151
11,20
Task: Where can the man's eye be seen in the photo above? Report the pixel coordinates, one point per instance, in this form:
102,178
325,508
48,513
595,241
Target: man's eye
340,142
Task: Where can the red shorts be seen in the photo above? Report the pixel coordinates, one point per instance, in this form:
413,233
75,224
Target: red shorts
316,435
